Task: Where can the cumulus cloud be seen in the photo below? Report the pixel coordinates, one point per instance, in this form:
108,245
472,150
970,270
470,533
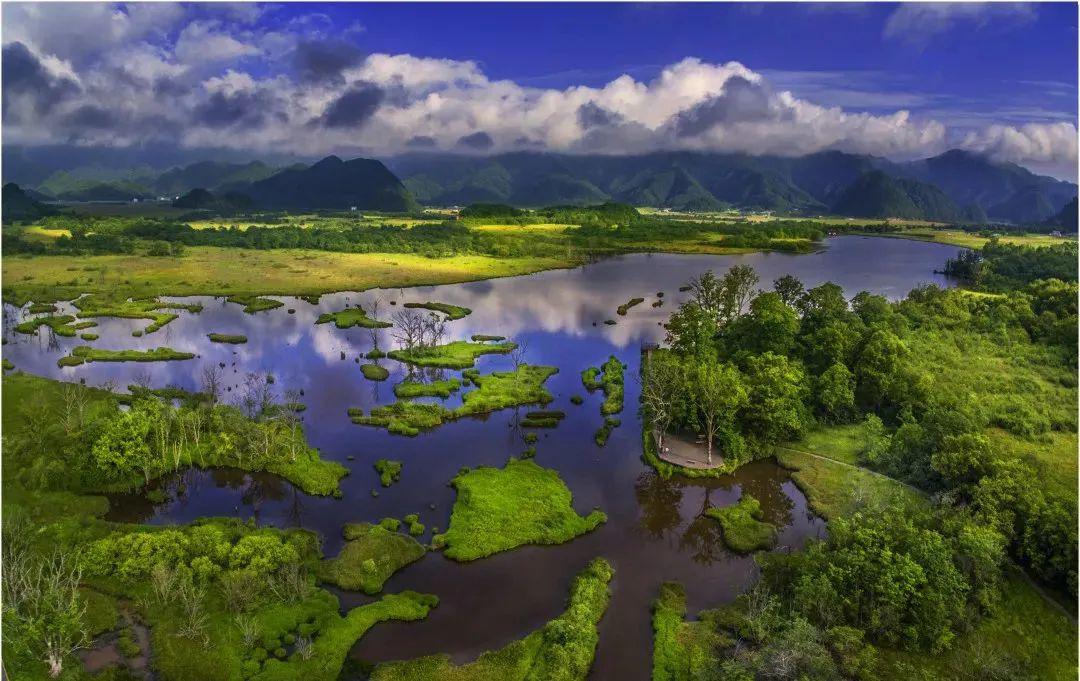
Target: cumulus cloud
1041,144
215,78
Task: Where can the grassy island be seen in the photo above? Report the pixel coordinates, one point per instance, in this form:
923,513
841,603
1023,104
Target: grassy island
374,372
85,353
625,307
452,312
350,317
743,529
389,471
233,339
561,650
410,389
370,556
498,509
253,304
454,355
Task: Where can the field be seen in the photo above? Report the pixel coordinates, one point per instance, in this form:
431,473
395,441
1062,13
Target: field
226,271
957,237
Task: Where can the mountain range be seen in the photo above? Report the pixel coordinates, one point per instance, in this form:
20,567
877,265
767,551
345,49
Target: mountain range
956,186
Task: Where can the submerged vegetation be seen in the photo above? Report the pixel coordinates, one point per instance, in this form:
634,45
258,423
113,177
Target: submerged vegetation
498,509
562,650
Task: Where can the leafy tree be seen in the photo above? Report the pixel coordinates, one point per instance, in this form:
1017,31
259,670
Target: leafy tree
718,393
124,444
789,288
774,410
834,394
662,384
770,326
877,368
691,330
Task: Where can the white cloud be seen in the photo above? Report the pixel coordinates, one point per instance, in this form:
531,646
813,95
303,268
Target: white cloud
1042,144
206,42
918,22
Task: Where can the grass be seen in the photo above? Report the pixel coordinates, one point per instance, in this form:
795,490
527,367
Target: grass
85,353
389,471
350,317
483,337
497,390
88,336
956,237
370,556
609,378
625,307
410,389
682,649
498,509
453,355
208,270
61,325
113,304
41,308
253,304
374,372
604,432
562,650
743,529
234,339
452,312
544,418
416,528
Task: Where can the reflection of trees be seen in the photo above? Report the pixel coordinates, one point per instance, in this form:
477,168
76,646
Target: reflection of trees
263,488
766,486
658,499
702,539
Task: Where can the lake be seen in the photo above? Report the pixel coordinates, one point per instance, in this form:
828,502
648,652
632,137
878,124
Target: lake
655,531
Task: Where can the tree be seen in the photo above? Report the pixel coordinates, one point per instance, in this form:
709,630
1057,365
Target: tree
662,381
789,288
691,330
775,409
718,393
737,290
878,365
770,326
834,394
124,444
517,355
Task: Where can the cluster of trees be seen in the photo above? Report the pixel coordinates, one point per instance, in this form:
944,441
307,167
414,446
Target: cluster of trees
1001,267
747,368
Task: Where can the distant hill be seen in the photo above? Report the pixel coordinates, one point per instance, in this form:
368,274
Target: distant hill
333,184
876,195
95,183
1067,218
201,199
211,175
17,206
975,189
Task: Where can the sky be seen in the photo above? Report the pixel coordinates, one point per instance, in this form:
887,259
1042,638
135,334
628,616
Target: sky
900,81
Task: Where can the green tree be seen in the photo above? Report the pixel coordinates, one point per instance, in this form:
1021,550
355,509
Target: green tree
770,326
789,288
718,392
124,444
691,330
774,410
877,368
834,394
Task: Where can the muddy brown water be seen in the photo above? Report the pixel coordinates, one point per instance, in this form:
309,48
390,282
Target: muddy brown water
655,530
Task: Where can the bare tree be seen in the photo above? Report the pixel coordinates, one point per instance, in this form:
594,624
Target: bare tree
517,355
374,331
257,396
75,400
661,381
408,328
211,382
142,379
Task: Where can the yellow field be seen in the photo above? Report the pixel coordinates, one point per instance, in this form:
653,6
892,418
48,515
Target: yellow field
956,237
220,271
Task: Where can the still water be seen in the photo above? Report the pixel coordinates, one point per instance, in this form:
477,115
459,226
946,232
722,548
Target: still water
655,530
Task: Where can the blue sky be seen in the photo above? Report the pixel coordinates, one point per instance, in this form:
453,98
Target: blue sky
893,80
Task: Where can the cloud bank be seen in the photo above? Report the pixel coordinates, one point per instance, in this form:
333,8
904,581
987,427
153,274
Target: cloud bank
161,74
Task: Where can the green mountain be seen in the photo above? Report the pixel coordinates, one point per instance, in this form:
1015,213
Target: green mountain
95,183
876,195
201,199
1067,218
986,189
211,175
333,184
17,206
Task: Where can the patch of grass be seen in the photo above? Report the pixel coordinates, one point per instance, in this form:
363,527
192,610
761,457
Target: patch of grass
682,649
542,418
350,317
483,338
625,307
498,509
602,435
113,304
389,471
234,339
577,400
374,372
88,336
562,650
452,312
454,355
209,270
497,390
375,353
410,389
742,526
61,325
253,304
8,364
41,308
370,556
85,353
416,528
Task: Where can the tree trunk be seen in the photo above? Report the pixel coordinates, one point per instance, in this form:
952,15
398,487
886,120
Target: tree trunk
708,447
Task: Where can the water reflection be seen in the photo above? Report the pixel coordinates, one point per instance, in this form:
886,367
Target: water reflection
655,529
